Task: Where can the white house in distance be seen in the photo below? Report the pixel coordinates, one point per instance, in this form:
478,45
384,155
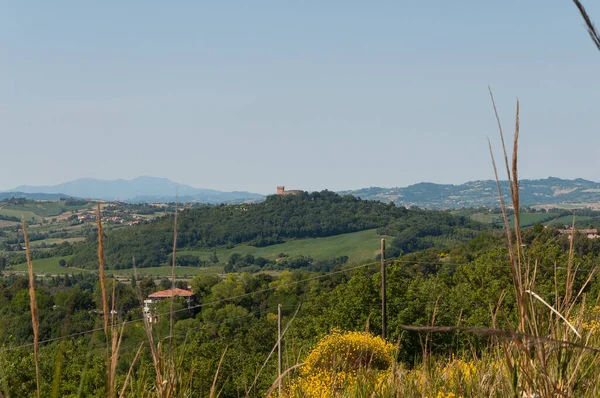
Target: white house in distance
590,233
154,298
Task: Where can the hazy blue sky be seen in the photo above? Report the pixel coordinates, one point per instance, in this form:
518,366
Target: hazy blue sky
313,94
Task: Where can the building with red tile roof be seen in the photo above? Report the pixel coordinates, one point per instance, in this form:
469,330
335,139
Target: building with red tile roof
177,292
154,298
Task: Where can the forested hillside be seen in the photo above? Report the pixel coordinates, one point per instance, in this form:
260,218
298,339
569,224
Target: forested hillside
235,317
276,220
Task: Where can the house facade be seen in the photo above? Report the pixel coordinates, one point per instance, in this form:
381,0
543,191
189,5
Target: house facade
156,297
590,233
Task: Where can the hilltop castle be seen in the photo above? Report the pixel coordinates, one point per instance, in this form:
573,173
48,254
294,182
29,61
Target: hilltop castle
281,191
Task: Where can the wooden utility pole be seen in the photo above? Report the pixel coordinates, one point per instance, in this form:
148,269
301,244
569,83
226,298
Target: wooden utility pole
383,285
279,346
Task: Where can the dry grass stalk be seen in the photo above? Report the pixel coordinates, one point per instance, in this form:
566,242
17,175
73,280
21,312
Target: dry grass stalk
105,311
126,382
173,272
280,378
540,356
588,24
272,351
515,259
176,382
116,338
153,347
555,311
543,366
112,333
34,311
524,308
171,380
213,387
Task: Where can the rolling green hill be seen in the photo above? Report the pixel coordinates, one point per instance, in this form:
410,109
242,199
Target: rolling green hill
35,211
47,266
19,213
50,209
277,220
358,246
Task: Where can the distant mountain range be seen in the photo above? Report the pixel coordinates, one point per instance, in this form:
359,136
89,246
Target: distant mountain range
140,189
548,191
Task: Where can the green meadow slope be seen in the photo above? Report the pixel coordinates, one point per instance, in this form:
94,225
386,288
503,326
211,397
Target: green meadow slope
358,246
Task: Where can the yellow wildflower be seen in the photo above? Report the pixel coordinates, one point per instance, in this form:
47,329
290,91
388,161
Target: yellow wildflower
338,362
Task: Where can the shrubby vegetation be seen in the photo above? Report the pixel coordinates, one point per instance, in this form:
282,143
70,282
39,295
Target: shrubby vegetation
452,286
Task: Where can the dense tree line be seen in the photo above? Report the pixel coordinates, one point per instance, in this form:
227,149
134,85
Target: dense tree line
277,219
75,202
424,229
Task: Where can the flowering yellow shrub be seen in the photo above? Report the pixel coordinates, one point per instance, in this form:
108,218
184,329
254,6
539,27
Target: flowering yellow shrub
459,369
442,394
591,321
339,360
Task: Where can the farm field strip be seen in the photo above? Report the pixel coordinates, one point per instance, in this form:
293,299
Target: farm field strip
358,246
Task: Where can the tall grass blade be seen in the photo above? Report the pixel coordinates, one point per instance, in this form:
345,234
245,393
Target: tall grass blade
34,311
556,312
173,271
156,356
588,24
126,382
272,351
105,311
213,387
280,378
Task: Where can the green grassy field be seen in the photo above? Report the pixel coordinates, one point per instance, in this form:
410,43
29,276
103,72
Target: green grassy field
487,218
49,209
568,220
358,246
13,212
47,266
38,210
50,266
528,219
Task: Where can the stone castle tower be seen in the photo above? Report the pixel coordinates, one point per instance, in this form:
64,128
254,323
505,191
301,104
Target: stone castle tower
281,191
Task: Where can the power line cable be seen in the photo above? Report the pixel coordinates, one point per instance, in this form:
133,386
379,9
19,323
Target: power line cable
133,344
